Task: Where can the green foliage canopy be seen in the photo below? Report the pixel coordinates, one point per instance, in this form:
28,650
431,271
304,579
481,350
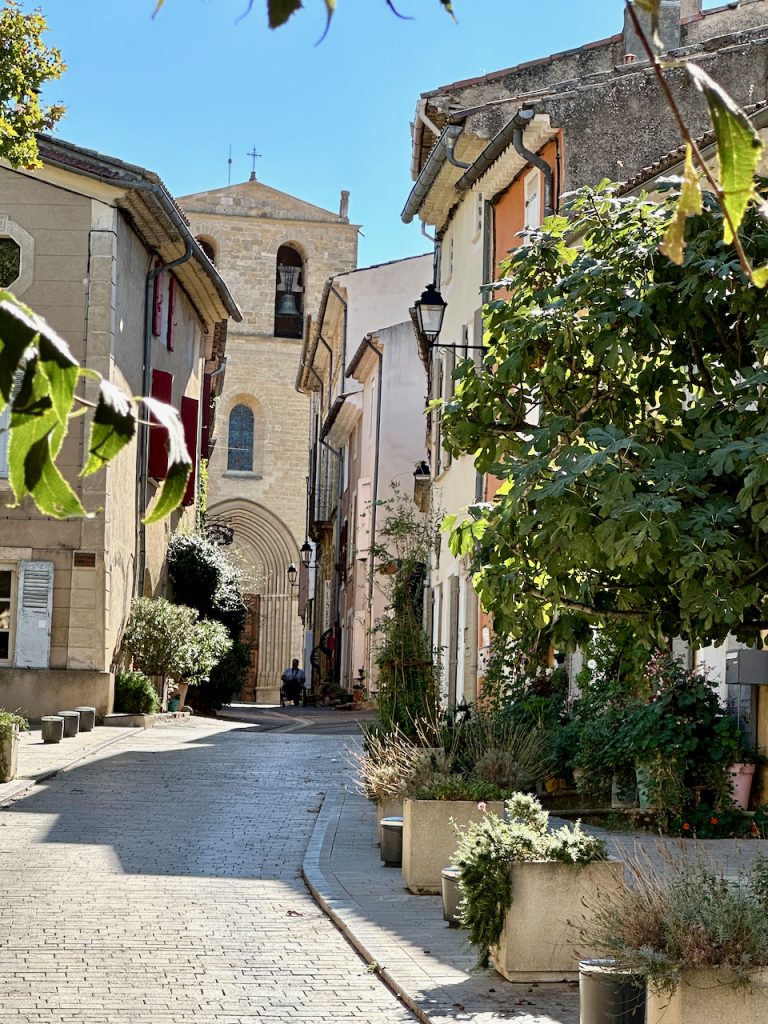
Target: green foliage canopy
26,64
622,403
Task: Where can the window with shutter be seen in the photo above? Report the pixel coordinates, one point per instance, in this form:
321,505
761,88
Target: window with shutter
162,390
532,201
6,614
33,619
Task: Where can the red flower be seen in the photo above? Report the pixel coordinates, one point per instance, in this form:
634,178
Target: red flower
686,827
755,829
713,821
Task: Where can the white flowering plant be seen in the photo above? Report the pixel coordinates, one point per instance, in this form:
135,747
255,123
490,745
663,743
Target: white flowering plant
487,848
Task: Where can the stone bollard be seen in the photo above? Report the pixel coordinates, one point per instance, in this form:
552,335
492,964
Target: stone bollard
71,723
87,718
52,728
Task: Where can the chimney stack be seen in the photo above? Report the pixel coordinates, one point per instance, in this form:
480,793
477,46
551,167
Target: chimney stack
344,205
690,9
669,26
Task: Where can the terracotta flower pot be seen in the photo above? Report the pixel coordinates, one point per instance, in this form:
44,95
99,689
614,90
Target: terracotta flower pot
741,784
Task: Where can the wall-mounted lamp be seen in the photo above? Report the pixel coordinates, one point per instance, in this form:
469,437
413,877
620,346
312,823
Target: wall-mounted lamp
293,572
306,554
430,310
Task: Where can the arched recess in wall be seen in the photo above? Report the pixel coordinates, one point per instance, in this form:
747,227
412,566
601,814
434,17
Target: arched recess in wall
208,245
267,547
244,419
290,290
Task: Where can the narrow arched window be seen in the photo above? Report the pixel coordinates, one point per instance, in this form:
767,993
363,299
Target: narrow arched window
208,249
289,293
240,441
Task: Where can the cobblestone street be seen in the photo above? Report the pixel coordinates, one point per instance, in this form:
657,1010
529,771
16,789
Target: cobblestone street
160,882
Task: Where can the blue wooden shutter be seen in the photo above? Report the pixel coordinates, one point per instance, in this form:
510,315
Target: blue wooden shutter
33,618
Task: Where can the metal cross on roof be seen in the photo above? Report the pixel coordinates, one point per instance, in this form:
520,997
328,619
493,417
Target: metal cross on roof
255,156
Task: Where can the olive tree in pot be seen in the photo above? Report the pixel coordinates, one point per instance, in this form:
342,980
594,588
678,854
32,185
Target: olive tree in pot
168,640
10,726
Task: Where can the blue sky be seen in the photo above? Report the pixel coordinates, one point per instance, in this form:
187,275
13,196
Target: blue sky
173,93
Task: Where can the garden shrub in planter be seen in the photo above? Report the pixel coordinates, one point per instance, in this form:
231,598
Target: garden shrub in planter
699,941
521,886
10,726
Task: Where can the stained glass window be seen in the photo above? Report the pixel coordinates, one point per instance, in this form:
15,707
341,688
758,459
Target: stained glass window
240,447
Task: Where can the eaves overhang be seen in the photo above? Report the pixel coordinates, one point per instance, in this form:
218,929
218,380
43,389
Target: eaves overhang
156,217
341,419
500,163
433,194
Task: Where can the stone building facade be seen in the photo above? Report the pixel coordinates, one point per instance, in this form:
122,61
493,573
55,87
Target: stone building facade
276,252
104,255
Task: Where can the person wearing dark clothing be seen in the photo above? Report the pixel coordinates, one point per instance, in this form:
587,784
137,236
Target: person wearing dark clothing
293,684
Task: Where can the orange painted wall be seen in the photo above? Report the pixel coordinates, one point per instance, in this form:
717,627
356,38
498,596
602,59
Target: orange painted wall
508,222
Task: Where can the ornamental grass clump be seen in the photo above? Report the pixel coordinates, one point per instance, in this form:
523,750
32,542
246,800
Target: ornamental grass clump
390,765
659,926
487,848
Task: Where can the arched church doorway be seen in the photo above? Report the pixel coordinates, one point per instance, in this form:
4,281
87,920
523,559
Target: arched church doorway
273,630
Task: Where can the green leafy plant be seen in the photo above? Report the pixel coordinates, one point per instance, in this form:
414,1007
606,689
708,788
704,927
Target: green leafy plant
166,639
10,723
690,918
26,65
408,670
488,847
637,495
441,786
135,694
204,577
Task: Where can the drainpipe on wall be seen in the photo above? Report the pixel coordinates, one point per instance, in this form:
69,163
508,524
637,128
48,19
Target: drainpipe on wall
536,161
143,428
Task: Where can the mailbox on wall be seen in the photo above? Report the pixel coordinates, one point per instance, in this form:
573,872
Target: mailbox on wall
745,670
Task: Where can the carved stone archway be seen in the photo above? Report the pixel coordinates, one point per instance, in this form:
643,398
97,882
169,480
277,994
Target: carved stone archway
267,547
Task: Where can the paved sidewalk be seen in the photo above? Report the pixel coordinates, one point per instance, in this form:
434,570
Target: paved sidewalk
426,963
38,760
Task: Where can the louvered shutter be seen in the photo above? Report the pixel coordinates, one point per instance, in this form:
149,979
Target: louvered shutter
162,390
33,619
205,435
189,422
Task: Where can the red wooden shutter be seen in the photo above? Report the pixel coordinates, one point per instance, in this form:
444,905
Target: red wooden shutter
157,305
171,312
162,390
189,422
205,439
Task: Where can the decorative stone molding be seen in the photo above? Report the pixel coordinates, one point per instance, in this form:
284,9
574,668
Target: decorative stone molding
10,229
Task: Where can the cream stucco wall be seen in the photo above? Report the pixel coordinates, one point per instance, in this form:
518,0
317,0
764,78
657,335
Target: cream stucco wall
454,488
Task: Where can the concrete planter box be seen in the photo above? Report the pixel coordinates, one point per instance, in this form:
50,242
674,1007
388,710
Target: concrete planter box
705,996
9,754
538,943
128,721
429,840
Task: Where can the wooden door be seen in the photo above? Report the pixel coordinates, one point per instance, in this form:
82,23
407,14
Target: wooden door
250,637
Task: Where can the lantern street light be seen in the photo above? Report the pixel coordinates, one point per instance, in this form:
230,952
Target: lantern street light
292,574
306,554
430,310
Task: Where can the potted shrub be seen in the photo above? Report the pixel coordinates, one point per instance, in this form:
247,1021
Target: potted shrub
741,775
522,885
487,757
135,694
10,726
698,941
171,640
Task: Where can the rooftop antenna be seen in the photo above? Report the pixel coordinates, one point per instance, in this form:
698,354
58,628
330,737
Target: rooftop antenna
229,166
254,156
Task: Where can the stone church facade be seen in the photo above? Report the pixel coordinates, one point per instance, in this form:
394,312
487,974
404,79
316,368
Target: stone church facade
276,252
